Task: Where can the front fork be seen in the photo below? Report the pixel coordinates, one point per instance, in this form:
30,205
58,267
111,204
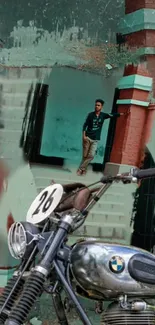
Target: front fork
58,304
35,283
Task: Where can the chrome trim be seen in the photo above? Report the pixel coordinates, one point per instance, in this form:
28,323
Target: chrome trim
25,274
90,264
41,270
68,219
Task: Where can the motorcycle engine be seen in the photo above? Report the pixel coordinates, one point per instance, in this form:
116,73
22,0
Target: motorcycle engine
116,315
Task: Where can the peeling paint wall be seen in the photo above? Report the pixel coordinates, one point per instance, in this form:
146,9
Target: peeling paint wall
46,33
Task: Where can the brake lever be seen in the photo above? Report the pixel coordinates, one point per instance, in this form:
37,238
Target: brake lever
126,181
128,178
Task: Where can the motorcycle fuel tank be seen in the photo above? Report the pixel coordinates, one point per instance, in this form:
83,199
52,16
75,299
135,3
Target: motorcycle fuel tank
106,271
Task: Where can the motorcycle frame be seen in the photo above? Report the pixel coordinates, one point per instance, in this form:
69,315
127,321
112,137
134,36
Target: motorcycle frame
55,255
59,262
60,270
56,295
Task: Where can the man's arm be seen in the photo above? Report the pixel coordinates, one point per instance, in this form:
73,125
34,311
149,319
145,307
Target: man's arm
115,115
85,125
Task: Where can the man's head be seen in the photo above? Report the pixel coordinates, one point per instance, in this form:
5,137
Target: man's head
98,105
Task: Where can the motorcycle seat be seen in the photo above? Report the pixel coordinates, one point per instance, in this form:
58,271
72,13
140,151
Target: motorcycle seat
141,267
74,199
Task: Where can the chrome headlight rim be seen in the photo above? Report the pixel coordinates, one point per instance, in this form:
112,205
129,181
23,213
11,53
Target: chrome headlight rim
20,239
14,236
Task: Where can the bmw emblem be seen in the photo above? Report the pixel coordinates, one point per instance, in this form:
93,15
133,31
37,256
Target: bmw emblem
117,264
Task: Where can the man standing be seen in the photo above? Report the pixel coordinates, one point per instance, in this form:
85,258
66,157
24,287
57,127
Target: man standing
92,132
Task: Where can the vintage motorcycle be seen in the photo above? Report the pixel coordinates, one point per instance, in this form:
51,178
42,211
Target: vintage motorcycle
122,275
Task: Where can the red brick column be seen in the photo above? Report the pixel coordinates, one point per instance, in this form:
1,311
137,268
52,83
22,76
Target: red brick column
144,38
132,5
132,130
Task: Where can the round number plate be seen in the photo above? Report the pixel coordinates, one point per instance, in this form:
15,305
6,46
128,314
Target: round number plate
44,204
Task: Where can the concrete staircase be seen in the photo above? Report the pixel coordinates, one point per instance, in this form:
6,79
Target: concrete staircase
15,84
108,220
13,100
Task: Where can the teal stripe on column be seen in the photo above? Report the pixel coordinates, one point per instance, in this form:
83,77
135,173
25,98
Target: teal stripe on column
136,82
138,20
147,50
132,102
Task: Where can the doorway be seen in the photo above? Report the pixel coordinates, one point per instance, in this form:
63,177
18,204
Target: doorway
72,94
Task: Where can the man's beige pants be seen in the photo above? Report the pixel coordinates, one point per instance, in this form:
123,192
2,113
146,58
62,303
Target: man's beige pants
89,151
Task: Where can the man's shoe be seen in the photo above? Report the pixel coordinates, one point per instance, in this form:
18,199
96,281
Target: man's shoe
79,172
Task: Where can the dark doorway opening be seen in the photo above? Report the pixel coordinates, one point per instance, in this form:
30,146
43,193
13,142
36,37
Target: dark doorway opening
47,115
33,132
111,131
144,210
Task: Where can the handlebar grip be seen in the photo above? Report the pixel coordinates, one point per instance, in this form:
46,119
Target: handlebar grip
143,173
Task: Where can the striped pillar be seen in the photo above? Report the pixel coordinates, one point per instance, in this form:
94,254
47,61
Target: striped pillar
135,87
139,28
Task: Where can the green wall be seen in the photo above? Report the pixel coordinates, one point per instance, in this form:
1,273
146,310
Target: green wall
72,94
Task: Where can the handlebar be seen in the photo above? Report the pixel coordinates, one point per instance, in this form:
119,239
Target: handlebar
88,202
143,173
131,177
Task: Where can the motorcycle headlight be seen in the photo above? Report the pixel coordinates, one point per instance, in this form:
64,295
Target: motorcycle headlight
22,238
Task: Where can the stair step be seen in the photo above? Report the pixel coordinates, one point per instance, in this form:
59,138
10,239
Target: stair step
42,181
107,216
66,176
17,95
105,230
10,88
9,135
113,207
12,112
16,81
109,195
14,125
13,100
101,206
25,74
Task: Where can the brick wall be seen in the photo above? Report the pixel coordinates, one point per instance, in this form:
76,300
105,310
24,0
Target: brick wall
133,5
136,69
129,141
136,94
126,148
151,67
143,38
